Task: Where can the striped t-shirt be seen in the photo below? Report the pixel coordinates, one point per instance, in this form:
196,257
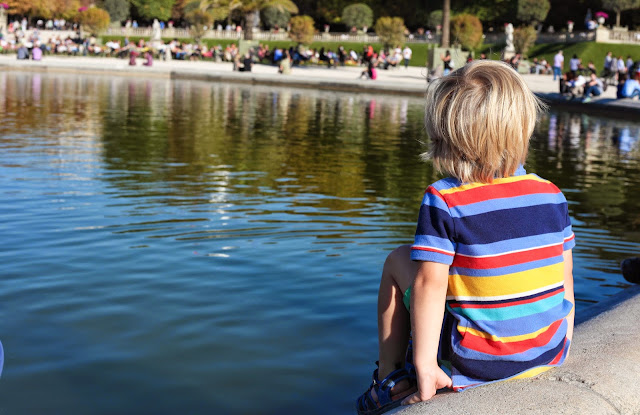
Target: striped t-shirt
504,242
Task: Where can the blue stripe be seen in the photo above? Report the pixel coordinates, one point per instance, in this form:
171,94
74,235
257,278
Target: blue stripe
509,313
418,255
512,202
518,326
511,269
432,200
435,242
484,370
514,244
464,354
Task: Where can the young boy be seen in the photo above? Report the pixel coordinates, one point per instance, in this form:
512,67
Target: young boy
488,280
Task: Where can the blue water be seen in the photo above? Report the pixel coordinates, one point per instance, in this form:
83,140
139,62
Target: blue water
185,247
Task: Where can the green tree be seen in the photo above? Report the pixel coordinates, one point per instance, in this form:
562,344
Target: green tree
524,38
359,15
619,6
250,10
533,11
467,30
154,9
390,31
118,9
272,16
435,19
201,13
302,29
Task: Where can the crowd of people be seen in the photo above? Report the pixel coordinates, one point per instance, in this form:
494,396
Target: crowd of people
584,82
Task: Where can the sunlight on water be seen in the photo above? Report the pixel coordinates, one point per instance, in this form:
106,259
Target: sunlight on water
187,247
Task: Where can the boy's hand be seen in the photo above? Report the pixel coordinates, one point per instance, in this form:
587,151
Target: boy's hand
428,384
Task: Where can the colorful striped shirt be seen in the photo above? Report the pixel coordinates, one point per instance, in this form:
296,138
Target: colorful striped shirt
504,242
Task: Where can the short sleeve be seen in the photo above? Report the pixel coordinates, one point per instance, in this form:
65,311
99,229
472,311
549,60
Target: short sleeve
434,234
569,237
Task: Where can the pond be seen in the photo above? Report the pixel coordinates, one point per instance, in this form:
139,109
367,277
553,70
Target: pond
187,247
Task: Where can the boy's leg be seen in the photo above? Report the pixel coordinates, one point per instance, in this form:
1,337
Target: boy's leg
394,323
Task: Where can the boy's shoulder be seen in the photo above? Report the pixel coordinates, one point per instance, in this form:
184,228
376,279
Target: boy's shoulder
449,184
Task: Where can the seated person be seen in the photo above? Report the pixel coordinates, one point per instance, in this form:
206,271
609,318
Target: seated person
592,88
149,59
246,63
621,80
36,53
631,88
23,52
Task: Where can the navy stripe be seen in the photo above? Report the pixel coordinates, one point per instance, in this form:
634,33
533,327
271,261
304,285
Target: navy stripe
500,369
511,300
500,225
434,221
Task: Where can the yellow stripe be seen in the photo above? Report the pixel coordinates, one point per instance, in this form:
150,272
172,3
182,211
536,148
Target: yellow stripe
504,339
531,372
517,282
496,181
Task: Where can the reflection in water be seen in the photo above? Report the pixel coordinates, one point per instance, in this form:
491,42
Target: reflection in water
187,240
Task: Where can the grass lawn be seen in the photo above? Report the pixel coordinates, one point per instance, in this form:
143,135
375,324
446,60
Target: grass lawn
418,58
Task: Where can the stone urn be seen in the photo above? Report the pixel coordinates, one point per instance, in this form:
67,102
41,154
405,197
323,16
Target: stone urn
601,20
570,26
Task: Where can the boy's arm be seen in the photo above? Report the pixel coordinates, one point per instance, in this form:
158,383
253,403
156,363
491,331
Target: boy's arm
428,296
568,290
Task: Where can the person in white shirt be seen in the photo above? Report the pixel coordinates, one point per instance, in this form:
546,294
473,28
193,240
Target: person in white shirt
406,54
574,64
622,68
558,64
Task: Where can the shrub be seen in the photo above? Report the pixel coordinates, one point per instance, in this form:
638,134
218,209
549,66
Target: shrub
533,11
94,20
435,19
390,31
524,38
302,29
467,30
273,16
359,15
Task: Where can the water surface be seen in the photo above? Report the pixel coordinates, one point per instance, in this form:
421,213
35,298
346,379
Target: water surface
187,247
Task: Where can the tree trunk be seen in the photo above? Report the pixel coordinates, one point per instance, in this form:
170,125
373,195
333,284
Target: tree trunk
446,17
617,18
251,20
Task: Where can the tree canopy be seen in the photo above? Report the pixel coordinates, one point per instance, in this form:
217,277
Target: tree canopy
619,6
390,31
359,15
533,11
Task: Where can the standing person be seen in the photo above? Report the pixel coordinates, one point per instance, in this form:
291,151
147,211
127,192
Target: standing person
622,67
558,64
629,65
446,61
406,55
574,64
607,65
487,287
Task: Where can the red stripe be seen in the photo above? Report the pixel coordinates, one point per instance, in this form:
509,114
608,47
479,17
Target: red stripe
570,238
506,260
498,191
498,348
422,248
559,356
434,192
509,304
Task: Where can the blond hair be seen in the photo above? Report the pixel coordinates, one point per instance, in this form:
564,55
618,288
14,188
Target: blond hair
480,118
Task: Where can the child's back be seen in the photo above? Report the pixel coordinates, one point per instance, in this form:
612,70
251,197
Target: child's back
504,243
488,281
